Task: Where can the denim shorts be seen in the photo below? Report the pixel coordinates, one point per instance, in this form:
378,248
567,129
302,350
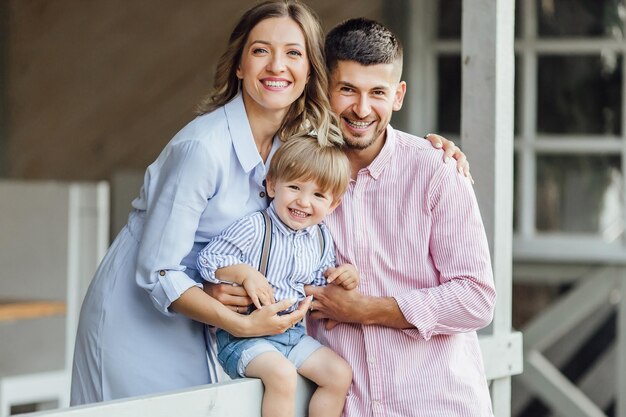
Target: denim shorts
235,353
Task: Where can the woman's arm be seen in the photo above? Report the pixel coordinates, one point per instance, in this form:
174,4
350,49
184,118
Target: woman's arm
179,192
180,183
450,150
196,304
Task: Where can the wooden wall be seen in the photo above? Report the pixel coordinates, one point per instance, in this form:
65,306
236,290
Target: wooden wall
97,87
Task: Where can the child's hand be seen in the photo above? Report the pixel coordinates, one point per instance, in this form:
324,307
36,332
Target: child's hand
345,275
259,289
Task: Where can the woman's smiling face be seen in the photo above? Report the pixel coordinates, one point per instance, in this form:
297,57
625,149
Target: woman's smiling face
274,65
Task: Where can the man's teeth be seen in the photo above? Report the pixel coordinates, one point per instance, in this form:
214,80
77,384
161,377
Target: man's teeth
279,84
358,125
298,213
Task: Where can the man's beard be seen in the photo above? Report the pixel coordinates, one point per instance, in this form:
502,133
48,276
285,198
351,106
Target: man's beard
356,141
360,142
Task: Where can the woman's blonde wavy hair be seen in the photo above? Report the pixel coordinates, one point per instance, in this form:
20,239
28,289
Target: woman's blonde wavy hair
310,113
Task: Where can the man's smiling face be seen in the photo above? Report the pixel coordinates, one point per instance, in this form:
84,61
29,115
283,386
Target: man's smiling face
364,98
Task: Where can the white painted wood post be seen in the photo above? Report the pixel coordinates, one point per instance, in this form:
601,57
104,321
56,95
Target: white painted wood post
620,409
487,139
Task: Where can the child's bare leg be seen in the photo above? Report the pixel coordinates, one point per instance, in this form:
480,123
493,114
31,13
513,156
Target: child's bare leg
333,376
279,377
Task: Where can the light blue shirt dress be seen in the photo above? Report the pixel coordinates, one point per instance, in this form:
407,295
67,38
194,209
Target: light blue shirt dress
129,343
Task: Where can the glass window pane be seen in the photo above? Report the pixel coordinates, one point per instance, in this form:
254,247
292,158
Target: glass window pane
580,194
581,18
579,94
449,94
449,19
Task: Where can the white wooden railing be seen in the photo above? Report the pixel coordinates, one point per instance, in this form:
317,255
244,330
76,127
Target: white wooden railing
242,398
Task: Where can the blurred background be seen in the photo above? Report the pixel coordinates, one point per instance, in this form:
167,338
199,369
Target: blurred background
91,91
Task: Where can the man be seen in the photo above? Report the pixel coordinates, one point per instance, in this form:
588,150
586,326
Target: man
412,227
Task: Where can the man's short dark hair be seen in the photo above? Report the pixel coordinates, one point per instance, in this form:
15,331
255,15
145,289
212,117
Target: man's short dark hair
364,41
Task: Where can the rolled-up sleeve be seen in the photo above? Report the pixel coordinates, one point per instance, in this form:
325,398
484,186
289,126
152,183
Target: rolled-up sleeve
179,188
465,297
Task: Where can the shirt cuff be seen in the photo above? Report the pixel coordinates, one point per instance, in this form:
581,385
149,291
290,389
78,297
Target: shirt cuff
420,309
169,286
207,268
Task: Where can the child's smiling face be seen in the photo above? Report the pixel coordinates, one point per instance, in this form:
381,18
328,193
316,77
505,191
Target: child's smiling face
301,203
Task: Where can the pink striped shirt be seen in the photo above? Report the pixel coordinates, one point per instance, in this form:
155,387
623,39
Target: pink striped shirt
412,227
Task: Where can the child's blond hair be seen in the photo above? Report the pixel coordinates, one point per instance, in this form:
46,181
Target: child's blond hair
301,157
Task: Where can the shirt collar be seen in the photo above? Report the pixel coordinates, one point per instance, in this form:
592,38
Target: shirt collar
241,134
282,227
381,161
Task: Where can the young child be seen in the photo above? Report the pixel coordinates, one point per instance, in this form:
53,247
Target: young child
306,182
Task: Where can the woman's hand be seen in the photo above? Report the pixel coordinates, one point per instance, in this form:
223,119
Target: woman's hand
234,297
450,150
267,322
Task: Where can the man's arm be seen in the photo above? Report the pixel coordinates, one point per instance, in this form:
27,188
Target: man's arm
350,306
463,299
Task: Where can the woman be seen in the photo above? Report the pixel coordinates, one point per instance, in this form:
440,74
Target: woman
142,324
